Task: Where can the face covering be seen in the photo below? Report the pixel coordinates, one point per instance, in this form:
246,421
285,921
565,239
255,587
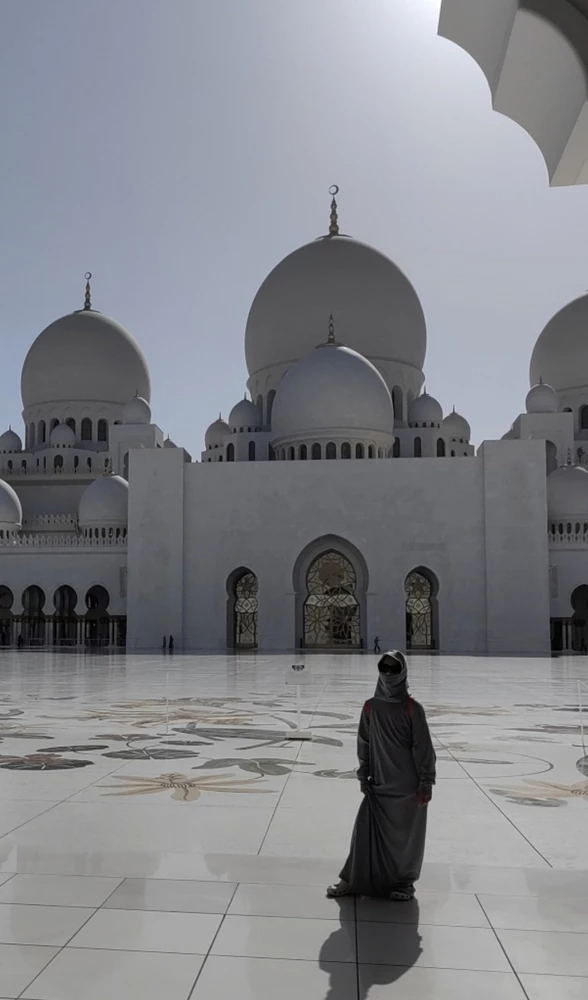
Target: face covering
393,687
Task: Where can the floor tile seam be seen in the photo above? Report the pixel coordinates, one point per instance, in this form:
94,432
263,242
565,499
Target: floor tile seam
504,951
276,807
50,807
215,936
497,807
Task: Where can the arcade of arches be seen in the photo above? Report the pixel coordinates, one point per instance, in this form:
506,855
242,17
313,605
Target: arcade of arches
40,625
332,607
570,635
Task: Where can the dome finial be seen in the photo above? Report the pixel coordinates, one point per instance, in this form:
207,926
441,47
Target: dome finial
334,222
331,337
88,295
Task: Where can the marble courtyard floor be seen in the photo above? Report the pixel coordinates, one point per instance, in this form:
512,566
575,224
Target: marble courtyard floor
159,838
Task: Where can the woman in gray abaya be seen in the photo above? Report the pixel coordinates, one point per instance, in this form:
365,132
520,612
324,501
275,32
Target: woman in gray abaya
397,774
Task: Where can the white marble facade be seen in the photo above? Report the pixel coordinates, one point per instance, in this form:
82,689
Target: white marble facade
336,504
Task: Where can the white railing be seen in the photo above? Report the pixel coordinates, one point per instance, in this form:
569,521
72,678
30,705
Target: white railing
53,540
567,538
67,469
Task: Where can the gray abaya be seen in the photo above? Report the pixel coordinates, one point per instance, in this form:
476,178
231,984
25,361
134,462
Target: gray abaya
397,760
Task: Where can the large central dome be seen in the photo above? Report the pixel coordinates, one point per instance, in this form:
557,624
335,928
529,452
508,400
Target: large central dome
84,356
376,309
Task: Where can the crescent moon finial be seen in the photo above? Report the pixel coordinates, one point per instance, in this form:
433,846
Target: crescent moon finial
88,295
334,221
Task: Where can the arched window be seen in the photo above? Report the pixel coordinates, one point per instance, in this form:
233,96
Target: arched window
102,430
230,452
97,618
453,454
86,433
53,424
584,418
89,463
270,405
396,448
71,423
331,609
371,451
291,453
33,620
58,463
359,451
6,616
31,435
418,447
42,432
421,610
252,451
23,465
283,455
397,402
65,619
331,450
440,448
380,452
271,454
316,451
303,453
243,609
346,450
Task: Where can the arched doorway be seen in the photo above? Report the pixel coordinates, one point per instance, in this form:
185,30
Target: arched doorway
33,618
97,619
580,619
65,620
420,589
6,616
331,613
242,609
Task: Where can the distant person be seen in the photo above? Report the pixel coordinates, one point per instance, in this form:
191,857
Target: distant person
397,774
170,644
377,645
20,642
164,643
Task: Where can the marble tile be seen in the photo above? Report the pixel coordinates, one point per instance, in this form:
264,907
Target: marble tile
546,953
394,982
555,987
172,895
50,925
286,937
148,930
58,890
269,979
20,964
306,901
78,974
541,913
438,947
445,909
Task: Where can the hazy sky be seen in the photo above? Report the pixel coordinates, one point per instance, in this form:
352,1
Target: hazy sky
180,148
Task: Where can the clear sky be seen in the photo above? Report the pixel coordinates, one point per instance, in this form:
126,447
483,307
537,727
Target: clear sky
180,148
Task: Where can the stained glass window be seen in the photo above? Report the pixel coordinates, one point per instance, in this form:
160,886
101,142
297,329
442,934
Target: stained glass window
419,612
246,611
331,608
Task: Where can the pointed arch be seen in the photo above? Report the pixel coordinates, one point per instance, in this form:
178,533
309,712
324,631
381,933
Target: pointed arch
242,609
421,589
330,580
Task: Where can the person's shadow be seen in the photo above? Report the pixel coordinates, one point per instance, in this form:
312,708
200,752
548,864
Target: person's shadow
385,951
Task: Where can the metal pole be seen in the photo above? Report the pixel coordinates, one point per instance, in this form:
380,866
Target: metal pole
299,707
167,704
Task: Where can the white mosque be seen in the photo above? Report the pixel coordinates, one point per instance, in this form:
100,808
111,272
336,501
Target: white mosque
336,504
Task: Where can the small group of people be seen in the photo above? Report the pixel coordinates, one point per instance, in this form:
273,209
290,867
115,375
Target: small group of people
396,774
168,644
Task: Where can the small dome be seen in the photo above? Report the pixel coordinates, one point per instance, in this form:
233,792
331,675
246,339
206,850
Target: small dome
168,443
541,398
10,442
424,411
137,411
84,356
456,427
244,415
332,390
216,433
567,492
62,436
105,503
10,508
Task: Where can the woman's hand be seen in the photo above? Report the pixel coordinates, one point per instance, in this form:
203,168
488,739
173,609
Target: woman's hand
364,785
424,795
